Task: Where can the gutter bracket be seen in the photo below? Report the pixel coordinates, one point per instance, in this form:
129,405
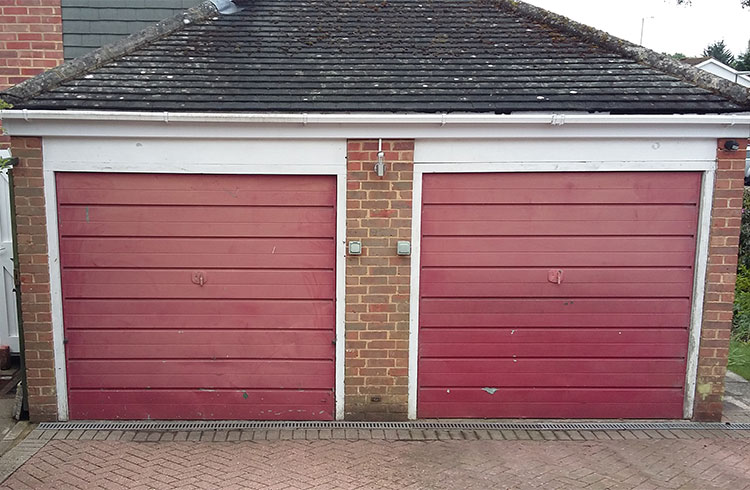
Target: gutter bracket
558,119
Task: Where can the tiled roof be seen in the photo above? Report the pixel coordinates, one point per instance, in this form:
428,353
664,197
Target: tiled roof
404,56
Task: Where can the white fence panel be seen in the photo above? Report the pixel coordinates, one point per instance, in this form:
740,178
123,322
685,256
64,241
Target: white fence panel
8,315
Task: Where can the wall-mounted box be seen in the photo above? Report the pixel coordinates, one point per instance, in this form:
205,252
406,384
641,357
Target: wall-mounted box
355,248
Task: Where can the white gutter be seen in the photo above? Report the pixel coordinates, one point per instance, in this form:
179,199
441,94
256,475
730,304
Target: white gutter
31,116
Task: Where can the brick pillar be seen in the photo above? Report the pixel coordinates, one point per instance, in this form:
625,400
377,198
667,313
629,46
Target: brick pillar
30,41
33,263
377,282
722,274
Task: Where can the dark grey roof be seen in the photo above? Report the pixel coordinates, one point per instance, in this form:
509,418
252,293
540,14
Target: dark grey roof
400,56
695,61
89,24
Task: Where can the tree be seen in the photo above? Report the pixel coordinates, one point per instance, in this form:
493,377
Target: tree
743,60
720,52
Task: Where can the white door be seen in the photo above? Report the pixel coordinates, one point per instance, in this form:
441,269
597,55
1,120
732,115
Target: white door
8,316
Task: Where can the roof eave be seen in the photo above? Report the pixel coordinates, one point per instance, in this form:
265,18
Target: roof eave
553,118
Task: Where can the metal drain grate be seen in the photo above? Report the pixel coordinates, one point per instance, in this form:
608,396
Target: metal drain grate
437,425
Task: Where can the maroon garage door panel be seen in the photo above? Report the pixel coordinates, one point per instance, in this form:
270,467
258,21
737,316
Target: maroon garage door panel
498,339
146,340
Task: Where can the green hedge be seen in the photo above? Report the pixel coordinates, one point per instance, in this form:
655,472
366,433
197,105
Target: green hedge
741,322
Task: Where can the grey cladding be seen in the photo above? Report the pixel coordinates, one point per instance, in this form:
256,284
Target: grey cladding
404,56
89,24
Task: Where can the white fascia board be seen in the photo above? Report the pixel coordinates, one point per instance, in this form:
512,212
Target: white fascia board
282,126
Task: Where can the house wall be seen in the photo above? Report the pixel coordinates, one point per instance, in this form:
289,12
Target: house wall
89,24
30,41
378,212
725,72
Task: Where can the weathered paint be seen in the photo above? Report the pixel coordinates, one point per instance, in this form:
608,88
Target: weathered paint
610,340
198,297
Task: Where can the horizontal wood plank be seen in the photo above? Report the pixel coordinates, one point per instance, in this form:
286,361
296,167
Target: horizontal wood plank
560,305
536,275
656,259
206,374
198,230
614,409
205,246
572,182
201,344
542,290
542,348
200,260
195,215
195,183
558,212
198,197
552,335
569,227
559,320
550,395
543,365
205,404
556,196
562,244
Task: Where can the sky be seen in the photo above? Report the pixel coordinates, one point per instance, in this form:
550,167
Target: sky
673,28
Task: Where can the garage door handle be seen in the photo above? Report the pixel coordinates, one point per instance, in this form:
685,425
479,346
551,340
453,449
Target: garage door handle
199,278
555,276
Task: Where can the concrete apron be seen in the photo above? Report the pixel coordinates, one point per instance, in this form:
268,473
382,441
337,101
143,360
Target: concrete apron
736,399
736,425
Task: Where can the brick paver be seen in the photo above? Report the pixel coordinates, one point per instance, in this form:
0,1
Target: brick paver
382,463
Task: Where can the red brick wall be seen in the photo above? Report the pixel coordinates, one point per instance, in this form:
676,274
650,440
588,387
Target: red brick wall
30,38
30,41
377,282
33,263
722,273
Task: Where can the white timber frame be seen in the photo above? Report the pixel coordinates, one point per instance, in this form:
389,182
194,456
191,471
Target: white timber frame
265,157
708,170
101,141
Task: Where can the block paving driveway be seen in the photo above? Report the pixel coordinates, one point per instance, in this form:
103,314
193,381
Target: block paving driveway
476,459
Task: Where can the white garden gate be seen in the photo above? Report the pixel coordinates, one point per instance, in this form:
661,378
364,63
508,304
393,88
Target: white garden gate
8,315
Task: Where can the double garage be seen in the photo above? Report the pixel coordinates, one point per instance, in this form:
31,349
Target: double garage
551,291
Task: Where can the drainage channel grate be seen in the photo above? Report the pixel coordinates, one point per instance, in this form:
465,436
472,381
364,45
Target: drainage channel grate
437,425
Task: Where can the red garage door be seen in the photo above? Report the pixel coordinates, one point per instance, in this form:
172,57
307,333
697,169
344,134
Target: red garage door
500,338
198,297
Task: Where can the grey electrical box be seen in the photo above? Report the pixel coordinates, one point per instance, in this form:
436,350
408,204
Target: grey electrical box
403,248
355,248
